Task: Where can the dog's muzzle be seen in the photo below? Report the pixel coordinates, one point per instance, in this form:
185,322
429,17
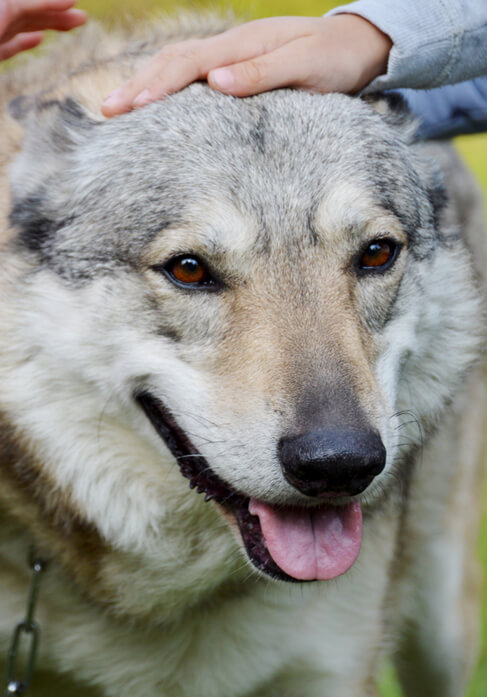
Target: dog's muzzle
290,543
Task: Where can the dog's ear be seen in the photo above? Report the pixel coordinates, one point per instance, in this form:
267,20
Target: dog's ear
39,177
19,107
61,124
394,109
52,131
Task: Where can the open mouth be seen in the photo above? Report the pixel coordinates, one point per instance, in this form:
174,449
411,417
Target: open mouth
289,544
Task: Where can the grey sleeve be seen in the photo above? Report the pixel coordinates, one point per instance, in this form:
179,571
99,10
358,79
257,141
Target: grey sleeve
435,42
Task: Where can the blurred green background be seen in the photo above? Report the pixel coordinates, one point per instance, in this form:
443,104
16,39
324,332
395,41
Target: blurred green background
473,148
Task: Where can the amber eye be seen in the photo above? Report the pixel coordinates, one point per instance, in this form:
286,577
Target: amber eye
189,271
378,255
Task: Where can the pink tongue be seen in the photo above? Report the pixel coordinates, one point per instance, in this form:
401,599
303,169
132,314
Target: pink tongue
316,543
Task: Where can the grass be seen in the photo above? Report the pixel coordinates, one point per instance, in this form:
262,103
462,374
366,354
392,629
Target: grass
473,148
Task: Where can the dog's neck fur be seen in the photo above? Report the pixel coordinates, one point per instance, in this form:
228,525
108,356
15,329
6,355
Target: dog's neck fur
46,515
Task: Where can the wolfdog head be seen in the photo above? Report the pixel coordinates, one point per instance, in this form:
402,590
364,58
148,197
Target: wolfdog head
257,290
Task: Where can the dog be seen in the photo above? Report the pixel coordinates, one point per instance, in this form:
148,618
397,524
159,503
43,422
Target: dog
241,387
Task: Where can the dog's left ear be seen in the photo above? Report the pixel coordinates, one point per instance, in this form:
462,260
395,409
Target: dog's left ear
395,111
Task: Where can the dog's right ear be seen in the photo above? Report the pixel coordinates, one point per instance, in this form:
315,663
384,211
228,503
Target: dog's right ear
19,107
65,122
42,179
52,131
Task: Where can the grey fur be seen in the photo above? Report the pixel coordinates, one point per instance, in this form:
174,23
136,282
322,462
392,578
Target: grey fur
151,591
124,180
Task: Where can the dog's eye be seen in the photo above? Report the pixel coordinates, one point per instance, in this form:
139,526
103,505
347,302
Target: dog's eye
379,255
188,271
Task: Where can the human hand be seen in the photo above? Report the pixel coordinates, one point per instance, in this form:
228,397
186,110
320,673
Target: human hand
22,21
340,53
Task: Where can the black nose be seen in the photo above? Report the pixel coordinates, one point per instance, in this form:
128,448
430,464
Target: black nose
340,462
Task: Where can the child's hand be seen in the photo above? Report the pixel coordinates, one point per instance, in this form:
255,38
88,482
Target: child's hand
21,22
341,53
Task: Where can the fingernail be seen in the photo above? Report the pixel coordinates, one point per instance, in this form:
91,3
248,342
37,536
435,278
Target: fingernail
113,96
222,78
142,98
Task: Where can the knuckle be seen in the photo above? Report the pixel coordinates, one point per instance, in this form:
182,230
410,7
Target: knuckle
130,86
165,53
186,50
251,72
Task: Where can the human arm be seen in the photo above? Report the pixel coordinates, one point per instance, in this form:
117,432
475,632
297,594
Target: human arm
434,42
22,22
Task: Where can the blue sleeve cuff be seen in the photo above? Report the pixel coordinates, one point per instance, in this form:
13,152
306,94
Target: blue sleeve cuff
450,111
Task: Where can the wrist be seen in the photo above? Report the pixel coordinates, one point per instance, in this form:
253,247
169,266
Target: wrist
368,47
